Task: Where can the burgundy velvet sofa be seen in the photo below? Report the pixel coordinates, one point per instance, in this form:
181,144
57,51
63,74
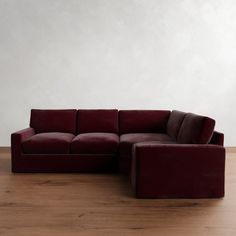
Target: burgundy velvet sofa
168,154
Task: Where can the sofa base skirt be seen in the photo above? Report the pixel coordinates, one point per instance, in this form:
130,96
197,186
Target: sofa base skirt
124,164
49,163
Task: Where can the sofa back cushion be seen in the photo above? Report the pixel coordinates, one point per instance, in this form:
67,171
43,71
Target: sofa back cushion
102,120
143,121
53,120
196,129
174,123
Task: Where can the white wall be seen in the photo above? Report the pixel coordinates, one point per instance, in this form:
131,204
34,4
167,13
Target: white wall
155,54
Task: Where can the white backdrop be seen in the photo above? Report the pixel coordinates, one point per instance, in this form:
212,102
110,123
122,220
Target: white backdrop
125,54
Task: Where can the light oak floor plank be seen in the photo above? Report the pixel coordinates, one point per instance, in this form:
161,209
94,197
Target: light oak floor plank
102,204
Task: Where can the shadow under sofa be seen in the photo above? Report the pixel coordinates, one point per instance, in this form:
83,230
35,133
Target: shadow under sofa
107,140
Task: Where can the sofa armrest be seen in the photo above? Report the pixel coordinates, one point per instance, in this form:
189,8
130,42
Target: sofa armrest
217,138
178,170
17,138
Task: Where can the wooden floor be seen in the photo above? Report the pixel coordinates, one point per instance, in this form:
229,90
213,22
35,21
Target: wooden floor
83,204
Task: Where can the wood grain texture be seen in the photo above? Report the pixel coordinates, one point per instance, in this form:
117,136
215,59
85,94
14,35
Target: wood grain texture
231,149
93,204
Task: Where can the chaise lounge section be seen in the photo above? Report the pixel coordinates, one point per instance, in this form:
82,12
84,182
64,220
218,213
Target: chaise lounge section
178,171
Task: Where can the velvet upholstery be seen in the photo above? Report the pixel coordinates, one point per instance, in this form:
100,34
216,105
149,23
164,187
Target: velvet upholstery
53,120
163,166
101,120
54,163
17,139
126,145
217,138
127,140
143,121
174,123
178,171
48,143
196,129
95,143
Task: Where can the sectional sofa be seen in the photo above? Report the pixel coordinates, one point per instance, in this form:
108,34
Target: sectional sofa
167,154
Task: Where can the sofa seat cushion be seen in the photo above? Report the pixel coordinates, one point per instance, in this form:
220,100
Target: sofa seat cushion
95,143
127,140
48,143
